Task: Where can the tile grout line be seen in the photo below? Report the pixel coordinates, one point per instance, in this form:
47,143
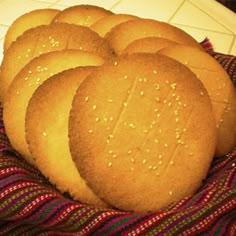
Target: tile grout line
115,4
231,45
203,29
190,2
175,12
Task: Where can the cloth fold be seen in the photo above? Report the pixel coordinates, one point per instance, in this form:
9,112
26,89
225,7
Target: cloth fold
30,205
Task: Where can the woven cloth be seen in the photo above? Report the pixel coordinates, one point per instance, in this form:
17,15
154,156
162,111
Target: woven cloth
30,205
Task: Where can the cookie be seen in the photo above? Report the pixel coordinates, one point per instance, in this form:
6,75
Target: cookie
27,81
142,132
106,23
149,44
47,38
48,140
125,33
26,21
84,15
220,88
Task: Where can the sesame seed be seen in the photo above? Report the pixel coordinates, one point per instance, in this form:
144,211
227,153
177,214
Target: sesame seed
166,145
111,118
157,174
114,155
156,140
90,131
157,99
180,141
154,72
110,151
30,72
115,63
132,168
173,86
131,125
86,99
130,151
165,101
147,150
190,154
150,167
169,104
145,131
26,78
160,156
125,104
144,161
132,160
45,134
177,119
97,119
94,107
172,163
154,167
19,57
167,82
201,93
170,193
177,135
125,77
110,100
142,93
110,164
160,162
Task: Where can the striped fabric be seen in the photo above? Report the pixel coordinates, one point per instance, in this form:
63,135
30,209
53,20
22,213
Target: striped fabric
30,205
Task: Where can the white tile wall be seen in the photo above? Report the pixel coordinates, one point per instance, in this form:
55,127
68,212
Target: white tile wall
200,18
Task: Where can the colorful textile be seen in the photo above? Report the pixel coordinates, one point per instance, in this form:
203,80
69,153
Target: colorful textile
30,205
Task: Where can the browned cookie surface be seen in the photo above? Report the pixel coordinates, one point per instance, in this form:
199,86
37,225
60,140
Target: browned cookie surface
142,132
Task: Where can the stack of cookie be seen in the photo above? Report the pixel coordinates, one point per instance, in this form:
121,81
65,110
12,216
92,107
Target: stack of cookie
117,110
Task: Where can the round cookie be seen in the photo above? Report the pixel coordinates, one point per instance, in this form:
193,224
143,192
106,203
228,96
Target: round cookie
220,88
84,15
125,33
149,44
47,38
27,81
48,140
142,132
106,23
29,20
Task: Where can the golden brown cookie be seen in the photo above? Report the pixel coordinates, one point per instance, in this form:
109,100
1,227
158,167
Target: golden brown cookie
27,81
220,88
49,108
149,44
106,23
125,33
47,38
26,21
142,132
84,15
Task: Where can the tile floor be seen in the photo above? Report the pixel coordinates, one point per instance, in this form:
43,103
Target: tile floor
200,18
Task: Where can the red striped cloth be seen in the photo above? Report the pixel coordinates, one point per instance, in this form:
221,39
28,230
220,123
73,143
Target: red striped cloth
30,205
